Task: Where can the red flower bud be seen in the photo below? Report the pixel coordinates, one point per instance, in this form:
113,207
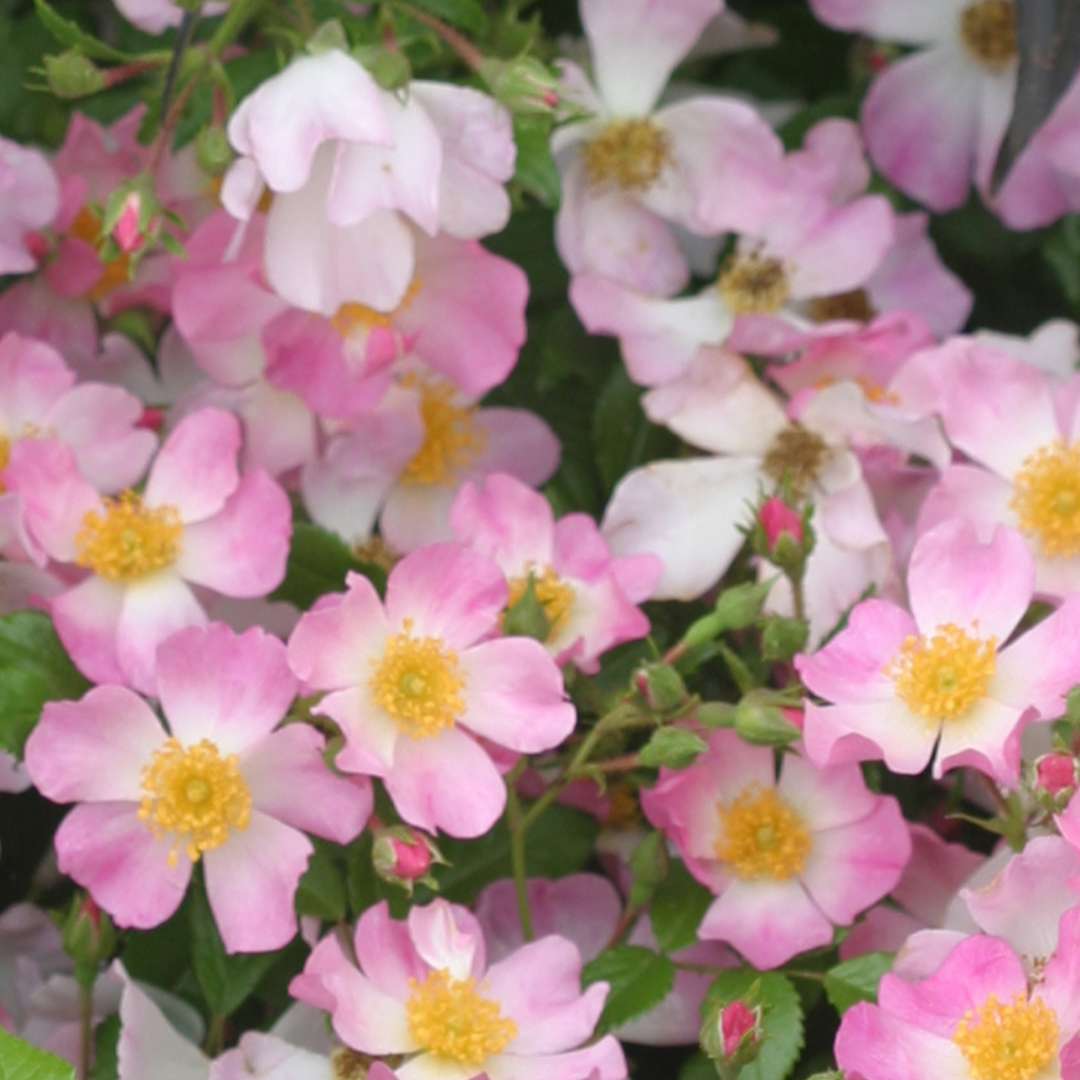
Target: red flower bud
738,1022
779,520
1056,773
127,232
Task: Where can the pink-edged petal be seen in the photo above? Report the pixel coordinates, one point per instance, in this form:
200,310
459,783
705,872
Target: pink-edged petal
334,644
448,592
851,867
195,471
603,1060
852,667
987,738
517,442
506,520
371,734
825,798
229,688
94,749
1061,978
636,45
665,508
538,987
251,884
974,494
447,782
1043,665
109,851
869,731
289,780
150,1046
874,1045
241,550
386,954
87,618
448,937
34,377
515,695
767,921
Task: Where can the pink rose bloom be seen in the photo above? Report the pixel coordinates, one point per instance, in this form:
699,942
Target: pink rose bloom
937,683
590,598
220,785
933,120
788,859
29,200
403,463
353,167
977,1016
157,16
198,522
413,686
423,989
631,171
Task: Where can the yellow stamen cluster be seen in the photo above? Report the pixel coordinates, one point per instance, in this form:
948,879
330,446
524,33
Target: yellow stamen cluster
452,437
419,682
553,594
194,795
854,305
796,457
988,30
346,1064
1046,498
629,154
943,676
5,458
753,285
450,1019
762,836
87,227
1014,1041
130,541
351,316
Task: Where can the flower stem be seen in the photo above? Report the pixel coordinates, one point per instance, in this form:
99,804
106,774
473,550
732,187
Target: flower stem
465,49
86,1027
517,859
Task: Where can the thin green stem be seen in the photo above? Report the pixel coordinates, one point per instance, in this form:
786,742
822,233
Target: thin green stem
215,1036
86,1027
517,859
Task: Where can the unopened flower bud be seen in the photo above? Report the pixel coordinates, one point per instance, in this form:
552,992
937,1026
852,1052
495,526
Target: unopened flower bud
71,75
524,85
779,520
739,1027
212,150
764,724
127,232
404,856
89,937
731,1034
661,686
1055,774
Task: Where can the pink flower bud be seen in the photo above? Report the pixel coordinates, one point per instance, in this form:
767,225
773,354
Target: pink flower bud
737,1022
404,856
412,861
1056,773
779,520
128,232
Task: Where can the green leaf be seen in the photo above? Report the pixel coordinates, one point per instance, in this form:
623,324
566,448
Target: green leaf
639,979
677,909
226,979
674,747
34,669
856,980
71,34
468,14
322,888
161,956
535,168
21,1061
318,563
781,1018
699,1067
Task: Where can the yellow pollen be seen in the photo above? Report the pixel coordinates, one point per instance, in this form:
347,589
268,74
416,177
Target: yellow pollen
195,796
988,30
630,154
452,438
554,595
753,285
942,677
854,305
350,317
1016,1041
419,682
796,456
762,836
5,458
130,541
87,227
452,1021
1046,498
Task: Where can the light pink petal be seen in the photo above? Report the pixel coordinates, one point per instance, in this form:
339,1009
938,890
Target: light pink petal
448,592
34,377
506,520
241,551
386,954
150,1046
869,731
1043,665
371,734
966,491
447,782
874,1045
953,578
87,618
987,738
767,921
251,883
825,798
636,45
289,780
515,695
427,1066
94,749
108,850
1061,986
195,471
415,515
918,22
448,936
516,442
603,1060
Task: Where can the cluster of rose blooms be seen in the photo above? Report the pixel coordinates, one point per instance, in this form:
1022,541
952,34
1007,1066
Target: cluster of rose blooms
328,334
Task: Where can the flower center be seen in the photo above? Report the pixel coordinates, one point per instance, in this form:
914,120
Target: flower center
630,154
942,677
988,30
452,437
130,541
1008,1042
195,795
449,1019
1046,498
553,594
87,227
796,456
753,285
346,1064
419,682
351,317
854,305
5,458
762,836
